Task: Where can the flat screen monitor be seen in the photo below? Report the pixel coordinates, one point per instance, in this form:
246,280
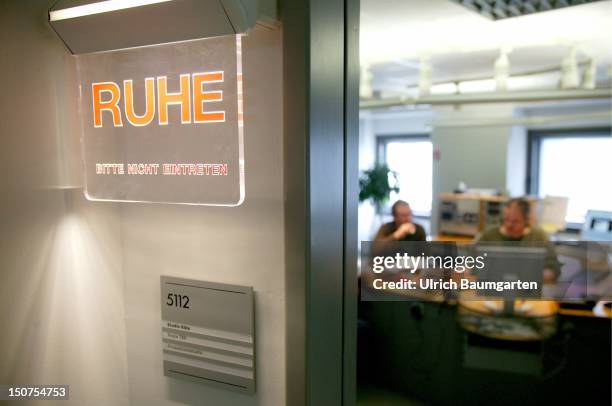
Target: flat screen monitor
512,264
597,226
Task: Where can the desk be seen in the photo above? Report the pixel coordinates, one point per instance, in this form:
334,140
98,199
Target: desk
459,239
534,320
605,312
420,348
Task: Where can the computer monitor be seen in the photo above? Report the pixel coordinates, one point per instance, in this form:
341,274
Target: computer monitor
512,263
597,226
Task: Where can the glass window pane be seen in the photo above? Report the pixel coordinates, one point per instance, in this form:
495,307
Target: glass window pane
412,160
580,169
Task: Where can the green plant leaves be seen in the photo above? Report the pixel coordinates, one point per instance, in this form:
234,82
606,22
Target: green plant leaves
377,184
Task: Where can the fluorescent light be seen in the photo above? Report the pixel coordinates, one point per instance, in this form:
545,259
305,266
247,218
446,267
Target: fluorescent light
99,7
444,88
477,86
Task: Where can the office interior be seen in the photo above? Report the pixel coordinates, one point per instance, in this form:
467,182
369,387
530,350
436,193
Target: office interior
470,104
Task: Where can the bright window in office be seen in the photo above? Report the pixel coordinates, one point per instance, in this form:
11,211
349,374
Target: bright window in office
575,165
411,158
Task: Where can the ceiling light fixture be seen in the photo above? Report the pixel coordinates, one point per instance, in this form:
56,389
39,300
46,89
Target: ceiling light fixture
424,77
570,77
590,75
502,70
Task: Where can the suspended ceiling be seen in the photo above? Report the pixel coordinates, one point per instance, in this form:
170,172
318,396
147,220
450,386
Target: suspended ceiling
461,44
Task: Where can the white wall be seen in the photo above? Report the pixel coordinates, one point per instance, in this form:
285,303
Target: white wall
242,245
61,286
79,281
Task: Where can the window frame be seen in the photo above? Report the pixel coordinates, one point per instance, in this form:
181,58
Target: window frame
534,142
381,158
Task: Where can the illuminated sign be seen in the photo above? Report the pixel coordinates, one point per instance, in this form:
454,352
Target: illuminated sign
164,98
164,124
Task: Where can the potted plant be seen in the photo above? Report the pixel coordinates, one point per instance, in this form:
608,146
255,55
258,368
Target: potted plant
376,185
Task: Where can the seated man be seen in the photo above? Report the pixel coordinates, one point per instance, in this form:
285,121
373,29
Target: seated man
401,228
515,227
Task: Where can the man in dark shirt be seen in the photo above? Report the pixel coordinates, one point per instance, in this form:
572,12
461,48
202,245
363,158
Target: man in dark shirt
401,228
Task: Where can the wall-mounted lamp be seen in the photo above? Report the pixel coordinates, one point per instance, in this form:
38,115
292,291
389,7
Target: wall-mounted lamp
94,26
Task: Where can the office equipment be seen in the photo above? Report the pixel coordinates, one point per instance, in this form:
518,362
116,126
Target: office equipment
597,226
469,214
459,216
512,264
